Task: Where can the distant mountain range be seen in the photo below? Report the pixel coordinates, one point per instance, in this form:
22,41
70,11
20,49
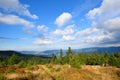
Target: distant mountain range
86,50
48,53
99,49
10,52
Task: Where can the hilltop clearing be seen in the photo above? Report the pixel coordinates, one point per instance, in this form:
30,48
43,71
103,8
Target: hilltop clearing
59,72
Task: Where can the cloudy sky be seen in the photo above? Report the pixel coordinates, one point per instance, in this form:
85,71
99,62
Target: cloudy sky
54,24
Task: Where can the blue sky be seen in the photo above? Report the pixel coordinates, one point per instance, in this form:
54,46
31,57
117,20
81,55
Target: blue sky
54,24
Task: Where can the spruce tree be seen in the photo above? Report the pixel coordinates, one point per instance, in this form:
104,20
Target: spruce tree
14,59
60,57
69,55
53,59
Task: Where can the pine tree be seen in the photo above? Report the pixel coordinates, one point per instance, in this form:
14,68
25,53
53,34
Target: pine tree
14,59
69,55
53,59
75,62
60,57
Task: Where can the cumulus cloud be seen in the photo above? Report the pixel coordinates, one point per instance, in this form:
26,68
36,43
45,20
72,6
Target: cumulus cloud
68,38
111,7
42,42
63,18
93,13
42,28
87,31
68,30
105,26
16,6
113,24
15,20
99,39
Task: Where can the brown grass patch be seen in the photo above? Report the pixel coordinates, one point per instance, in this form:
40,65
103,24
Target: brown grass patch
62,72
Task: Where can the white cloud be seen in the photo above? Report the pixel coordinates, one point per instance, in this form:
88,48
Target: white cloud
108,8
97,39
42,42
58,32
16,6
93,13
87,31
68,38
68,30
63,18
42,28
15,20
106,20
113,24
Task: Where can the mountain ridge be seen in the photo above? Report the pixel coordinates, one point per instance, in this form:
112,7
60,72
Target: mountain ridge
48,53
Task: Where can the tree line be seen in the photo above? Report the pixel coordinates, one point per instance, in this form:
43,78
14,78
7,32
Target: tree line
75,60
81,58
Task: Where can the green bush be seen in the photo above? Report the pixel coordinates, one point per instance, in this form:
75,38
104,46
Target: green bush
2,64
58,69
74,62
50,66
14,59
114,61
22,64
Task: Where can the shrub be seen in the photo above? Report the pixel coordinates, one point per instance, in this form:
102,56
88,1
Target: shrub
74,62
22,64
58,69
2,64
14,59
50,66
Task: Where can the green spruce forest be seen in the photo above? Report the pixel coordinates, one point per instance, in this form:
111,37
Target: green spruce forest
75,60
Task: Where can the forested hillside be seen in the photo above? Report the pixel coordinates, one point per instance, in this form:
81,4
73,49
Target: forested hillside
75,61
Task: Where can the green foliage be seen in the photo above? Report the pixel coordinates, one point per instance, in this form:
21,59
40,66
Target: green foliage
60,57
54,59
72,59
22,64
114,60
58,69
33,61
14,59
95,59
101,59
69,55
2,77
117,54
82,57
30,63
2,64
49,66
75,62
11,70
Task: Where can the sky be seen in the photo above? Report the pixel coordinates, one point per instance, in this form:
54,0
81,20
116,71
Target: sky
53,24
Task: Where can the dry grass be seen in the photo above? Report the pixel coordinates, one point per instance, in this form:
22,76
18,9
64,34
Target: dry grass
89,73
63,72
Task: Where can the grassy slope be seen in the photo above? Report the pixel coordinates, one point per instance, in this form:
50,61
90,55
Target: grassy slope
62,72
